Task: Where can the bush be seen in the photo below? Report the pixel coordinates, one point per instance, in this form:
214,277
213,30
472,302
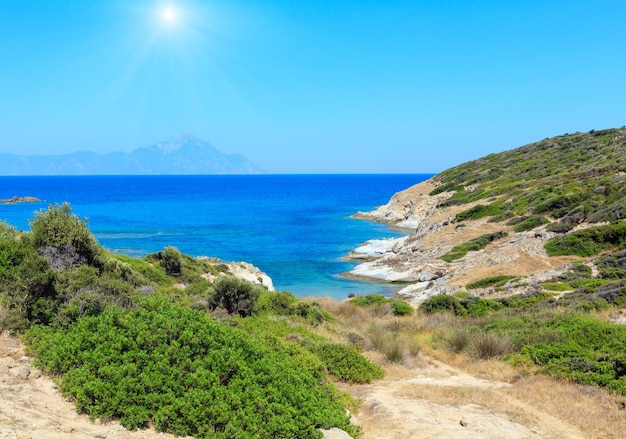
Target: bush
346,363
171,260
398,307
441,303
401,308
492,281
477,307
178,370
473,245
557,227
7,231
479,211
236,296
530,223
588,242
60,229
25,278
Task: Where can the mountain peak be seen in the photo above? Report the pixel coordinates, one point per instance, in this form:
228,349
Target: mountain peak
180,141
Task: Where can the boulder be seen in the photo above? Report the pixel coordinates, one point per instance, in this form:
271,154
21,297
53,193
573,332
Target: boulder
335,433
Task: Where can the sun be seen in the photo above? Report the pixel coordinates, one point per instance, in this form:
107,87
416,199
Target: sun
169,15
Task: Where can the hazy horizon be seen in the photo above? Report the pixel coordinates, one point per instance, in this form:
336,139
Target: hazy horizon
300,87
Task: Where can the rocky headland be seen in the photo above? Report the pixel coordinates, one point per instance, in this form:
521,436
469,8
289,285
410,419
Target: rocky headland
444,212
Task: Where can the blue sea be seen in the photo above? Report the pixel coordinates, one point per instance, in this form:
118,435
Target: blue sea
296,228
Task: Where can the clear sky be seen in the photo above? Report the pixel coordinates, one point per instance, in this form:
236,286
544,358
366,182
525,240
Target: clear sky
343,86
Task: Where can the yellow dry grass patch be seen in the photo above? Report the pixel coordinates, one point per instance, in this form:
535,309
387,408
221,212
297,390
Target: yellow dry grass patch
593,411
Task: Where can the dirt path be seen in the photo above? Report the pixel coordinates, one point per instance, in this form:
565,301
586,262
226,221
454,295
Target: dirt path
429,400
435,400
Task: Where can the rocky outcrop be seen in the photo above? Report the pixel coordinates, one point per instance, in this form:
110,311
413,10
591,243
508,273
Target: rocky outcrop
416,258
17,199
242,270
249,272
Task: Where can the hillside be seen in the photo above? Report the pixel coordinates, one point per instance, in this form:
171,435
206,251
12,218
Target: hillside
183,154
507,214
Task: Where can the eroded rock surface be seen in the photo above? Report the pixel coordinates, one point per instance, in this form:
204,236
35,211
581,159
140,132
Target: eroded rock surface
416,258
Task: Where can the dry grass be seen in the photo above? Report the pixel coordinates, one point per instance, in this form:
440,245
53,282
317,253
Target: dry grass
488,345
593,411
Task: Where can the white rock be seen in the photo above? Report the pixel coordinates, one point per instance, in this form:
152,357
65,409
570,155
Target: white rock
335,433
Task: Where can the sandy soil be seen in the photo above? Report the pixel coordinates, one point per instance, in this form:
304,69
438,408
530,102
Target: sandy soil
415,404
397,407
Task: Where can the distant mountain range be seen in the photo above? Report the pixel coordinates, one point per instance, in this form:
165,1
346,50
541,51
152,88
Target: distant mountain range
184,154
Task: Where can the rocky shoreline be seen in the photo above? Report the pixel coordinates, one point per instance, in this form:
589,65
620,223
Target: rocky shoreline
415,259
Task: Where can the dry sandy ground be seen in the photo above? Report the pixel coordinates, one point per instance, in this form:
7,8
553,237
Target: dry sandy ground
401,406
416,404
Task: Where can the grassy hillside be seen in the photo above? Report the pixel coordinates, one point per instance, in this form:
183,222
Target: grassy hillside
571,179
573,186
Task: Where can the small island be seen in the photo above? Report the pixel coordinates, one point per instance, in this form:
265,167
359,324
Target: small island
17,199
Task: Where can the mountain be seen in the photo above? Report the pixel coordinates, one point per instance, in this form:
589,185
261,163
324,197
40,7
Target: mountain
184,154
528,215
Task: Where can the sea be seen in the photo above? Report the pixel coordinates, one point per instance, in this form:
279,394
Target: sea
296,228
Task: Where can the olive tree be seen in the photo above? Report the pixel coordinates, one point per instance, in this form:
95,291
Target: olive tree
64,239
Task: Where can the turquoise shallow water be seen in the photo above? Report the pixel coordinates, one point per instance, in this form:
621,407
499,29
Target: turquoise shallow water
296,228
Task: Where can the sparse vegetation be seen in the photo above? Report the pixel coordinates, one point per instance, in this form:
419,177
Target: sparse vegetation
586,183
473,245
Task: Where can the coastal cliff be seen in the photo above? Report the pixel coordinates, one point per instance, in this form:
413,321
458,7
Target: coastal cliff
493,216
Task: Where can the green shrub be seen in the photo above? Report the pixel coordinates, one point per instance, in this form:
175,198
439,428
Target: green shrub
401,308
588,242
200,289
346,363
66,237
172,261
7,231
398,307
530,223
612,266
441,303
25,278
557,286
542,354
150,271
479,211
276,303
558,227
492,281
178,370
235,295
477,307
473,245
369,300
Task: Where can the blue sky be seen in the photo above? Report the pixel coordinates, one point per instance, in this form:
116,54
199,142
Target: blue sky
348,86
